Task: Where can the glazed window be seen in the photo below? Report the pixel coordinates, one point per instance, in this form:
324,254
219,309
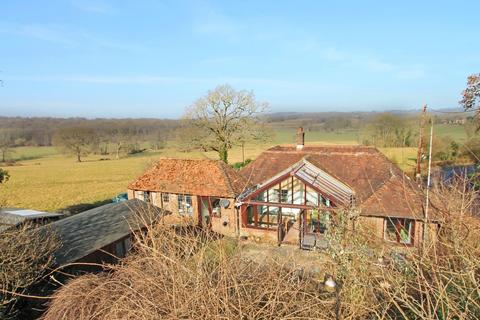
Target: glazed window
317,222
216,209
262,217
165,197
399,230
281,194
185,205
146,196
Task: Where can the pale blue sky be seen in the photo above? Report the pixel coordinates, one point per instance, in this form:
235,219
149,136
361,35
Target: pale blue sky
147,58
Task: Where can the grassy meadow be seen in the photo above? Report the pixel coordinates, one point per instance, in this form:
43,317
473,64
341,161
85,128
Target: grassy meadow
44,179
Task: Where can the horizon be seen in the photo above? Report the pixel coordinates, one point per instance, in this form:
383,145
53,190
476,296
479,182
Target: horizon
445,112
106,59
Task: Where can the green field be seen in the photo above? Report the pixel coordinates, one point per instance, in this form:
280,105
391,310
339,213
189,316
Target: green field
456,132
43,179
53,182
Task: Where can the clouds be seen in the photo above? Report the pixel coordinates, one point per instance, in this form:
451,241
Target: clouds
159,80
297,54
39,32
284,43
68,37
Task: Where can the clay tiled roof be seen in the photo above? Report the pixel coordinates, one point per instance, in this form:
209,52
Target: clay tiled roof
398,197
381,188
195,177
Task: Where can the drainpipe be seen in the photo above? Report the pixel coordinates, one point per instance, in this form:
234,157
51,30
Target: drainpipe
237,209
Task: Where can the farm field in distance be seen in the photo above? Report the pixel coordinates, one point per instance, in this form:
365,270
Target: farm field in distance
44,179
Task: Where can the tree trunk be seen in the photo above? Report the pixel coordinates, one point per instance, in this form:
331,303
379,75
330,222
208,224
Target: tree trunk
119,146
243,153
223,154
78,157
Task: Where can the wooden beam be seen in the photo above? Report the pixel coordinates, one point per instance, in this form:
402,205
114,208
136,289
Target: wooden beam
267,186
285,205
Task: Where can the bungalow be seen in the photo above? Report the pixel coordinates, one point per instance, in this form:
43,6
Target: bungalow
291,194
203,191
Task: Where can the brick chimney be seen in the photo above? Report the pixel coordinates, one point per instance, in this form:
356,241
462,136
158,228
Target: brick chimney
300,139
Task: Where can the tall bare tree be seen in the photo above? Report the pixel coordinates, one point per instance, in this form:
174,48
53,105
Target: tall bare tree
224,118
77,140
119,136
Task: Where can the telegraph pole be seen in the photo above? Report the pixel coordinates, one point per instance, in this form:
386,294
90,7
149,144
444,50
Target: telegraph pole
427,202
418,169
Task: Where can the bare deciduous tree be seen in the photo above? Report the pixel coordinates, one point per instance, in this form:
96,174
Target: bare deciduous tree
387,130
471,95
119,137
223,118
77,140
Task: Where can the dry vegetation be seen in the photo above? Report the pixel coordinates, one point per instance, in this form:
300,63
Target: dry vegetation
193,275
25,256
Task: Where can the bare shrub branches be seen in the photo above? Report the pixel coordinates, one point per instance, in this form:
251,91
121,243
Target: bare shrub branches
25,256
184,273
191,276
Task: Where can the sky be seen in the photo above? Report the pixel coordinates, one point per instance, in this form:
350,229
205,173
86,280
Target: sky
153,58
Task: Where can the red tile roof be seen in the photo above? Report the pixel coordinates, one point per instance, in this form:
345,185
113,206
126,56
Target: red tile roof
381,188
195,177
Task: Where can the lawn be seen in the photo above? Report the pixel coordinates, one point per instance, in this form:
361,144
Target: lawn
46,180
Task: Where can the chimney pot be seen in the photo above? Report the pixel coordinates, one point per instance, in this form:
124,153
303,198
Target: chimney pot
300,138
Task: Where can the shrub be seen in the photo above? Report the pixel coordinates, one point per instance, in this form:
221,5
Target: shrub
184,273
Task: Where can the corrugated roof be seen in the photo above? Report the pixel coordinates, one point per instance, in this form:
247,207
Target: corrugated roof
364,169
92,230
11,217
196,177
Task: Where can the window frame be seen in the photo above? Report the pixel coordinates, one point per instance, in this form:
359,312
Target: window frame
165,197
399,225
215,211
182,207
147,196
255,221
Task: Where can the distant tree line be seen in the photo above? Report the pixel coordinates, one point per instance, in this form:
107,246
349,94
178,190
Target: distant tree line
81,136
40,131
